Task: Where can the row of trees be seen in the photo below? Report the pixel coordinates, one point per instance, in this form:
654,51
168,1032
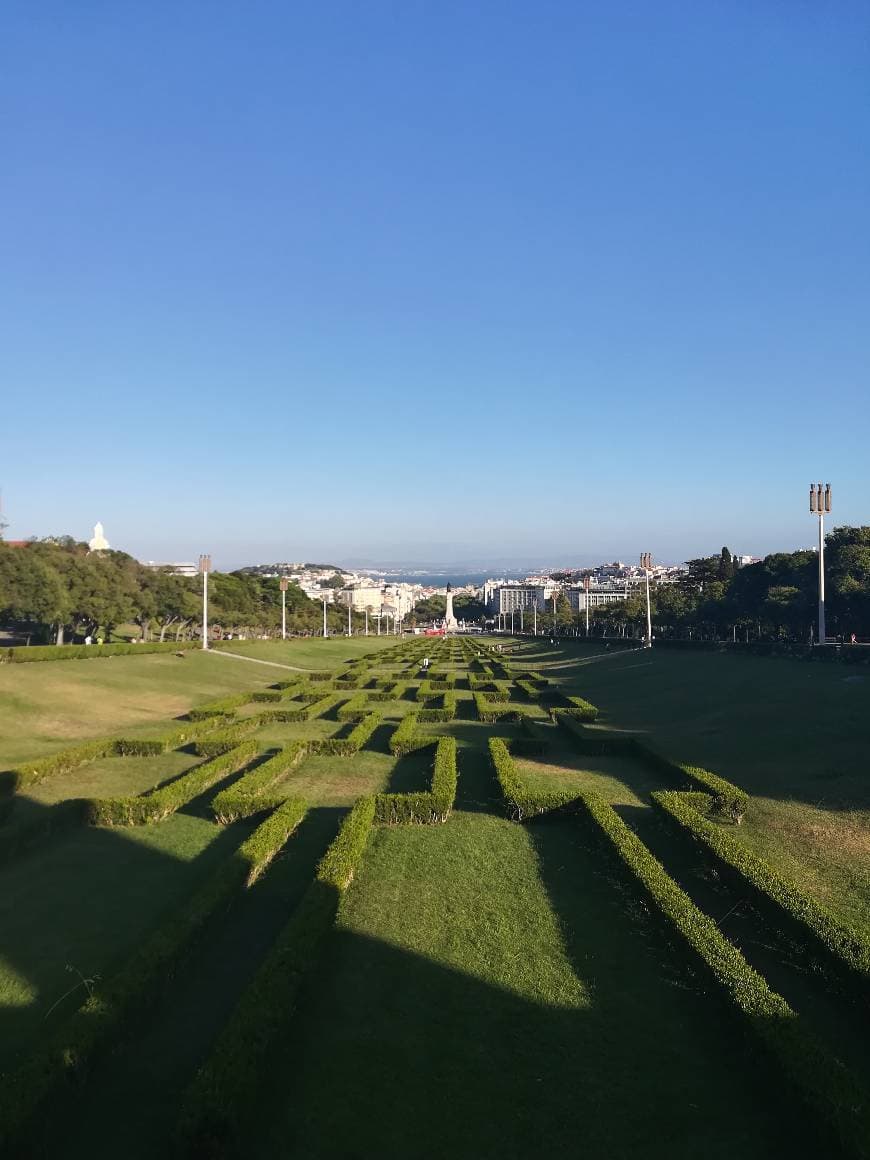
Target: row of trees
776,599
55,590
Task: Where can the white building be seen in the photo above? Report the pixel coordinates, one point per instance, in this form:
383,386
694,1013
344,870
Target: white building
363,596
577,597
174,569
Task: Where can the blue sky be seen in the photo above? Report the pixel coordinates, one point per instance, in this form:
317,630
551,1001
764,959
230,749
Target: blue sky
434,281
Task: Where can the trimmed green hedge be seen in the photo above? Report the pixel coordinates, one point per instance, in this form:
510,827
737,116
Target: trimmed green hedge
223,740
248,795
849,948
219,708
584,710
490,712
165,800
114,1004
520,801
87,652
822,1080
728,799
424,808
447,712
346,746
354,709
408,736
266,695
225,1086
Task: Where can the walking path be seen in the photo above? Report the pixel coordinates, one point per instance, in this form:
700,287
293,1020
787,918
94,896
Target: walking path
215,652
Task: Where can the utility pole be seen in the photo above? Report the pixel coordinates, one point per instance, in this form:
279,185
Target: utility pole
820,504
349,618
324,617
521,619
367,620
586,585
646,564
535,617
205,568
282,584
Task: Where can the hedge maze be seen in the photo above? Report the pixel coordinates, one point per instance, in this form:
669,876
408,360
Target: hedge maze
396,740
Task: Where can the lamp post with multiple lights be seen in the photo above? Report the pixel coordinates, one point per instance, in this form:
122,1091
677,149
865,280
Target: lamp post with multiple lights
646,564
820,505
205,568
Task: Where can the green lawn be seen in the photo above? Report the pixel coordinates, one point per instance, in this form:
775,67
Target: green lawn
790,732
491,989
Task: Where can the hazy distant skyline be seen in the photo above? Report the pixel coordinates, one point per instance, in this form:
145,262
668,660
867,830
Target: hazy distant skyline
435,281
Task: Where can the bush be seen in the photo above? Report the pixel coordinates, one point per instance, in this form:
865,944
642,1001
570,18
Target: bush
490,712
113,1005
87,652
345,746
354,709
447,712
424,808
165,800
529,689
266,695
248,796
848,948
408,736
520,801
223,740
822,1079
219,708
583,710
318,708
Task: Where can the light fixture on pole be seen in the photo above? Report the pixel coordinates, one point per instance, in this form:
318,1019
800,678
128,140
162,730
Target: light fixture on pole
349,616
367,620
587,584
521,619
646,564
205,568
282,584
535,617
324,616
554,615
820,505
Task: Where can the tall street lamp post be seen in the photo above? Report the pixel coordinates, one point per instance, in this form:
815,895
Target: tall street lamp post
282,584
646,564
820,505
349,620
324,616
205,568
587,585
535,617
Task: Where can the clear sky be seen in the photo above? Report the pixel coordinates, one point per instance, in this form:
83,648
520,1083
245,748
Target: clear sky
434,280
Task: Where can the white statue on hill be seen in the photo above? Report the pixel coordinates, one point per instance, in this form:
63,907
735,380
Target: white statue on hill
99,543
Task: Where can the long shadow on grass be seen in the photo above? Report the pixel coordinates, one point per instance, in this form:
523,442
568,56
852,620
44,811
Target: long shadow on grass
133,1095
78,904
436,1063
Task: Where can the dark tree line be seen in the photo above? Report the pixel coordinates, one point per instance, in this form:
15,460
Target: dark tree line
55,590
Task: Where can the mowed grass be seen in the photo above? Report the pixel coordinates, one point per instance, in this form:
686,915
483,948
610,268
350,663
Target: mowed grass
312,652
487,993
790,732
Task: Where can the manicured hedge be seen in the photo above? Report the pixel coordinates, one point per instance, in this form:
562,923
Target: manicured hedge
849,948
165,800
520,801
584,710
447,712
408,736
249,795
354,709
822,1080
225,1087
424,808
529,688
490,712
73,1047
223,740
220,707
728,799
266,695
87,652
318,708
355,740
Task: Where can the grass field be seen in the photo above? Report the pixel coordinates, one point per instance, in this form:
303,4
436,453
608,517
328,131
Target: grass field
490,989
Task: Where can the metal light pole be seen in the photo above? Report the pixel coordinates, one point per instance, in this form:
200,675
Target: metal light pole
512,622
554,618
367,620
324,616
283,586
521,619
586,585
535,617
820,504
205,568
646,564
349,620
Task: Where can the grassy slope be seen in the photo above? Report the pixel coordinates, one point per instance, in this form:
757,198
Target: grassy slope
485,995
789,732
